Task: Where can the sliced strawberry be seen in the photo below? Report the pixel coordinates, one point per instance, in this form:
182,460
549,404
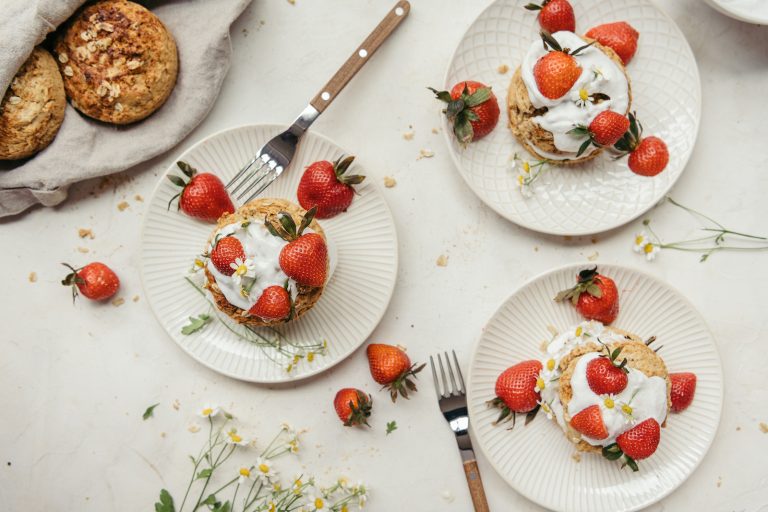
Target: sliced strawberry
683,389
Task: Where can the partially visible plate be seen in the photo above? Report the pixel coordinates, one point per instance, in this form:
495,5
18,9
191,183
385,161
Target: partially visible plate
602,194
536,460
751,11
352,304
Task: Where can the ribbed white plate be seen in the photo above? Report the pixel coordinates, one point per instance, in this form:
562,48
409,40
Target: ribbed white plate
601,194
536,459
751,11
353,301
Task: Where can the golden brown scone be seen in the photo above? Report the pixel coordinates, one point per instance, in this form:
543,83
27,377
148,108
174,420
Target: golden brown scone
118,60
255,211
521,113
32,110
639,356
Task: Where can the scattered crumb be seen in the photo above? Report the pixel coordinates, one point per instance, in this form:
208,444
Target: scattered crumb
122,205
83,250
176,404
389,181
738,428
292,2
408,135
135,298
568,238
138,198
576,456
719,481
763,428
83,233
435,130
535,248
552,330
118,301
442,261
503,69
245,32
194,428
425,153
32,277
594,240
162,434
447,496
593,256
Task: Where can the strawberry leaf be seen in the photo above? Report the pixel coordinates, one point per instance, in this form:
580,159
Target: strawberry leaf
481,95
455,107
176,180
594,291
463,131
307,219
532,7
583,147
287,222
612,451
442,95
187,169
629,461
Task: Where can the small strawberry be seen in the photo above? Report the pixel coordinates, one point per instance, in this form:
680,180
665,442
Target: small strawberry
305,258
605,130
203,197
595,296
224,254
607,377
555,15
95,281
683,389
274,304
472,108
516,389
392,368
640,441
619,36
556,71
353,406
647,156
589,422
325,186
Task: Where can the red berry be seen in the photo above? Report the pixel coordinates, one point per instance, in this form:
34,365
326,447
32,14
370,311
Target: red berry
324,185
224,254
95,281
305,260
589,422
555,73
683,389
479,112
650,157
516,386
595,296
605,378
391,367
618,36
640,441
555,15
352,406
608,127
203,197
273,304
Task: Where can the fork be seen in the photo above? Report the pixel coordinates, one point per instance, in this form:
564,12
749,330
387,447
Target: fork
453,405
275,156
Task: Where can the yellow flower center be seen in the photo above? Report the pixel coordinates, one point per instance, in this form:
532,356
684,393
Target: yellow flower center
648,248
583,94
551,364
579,331
245,472
241,269
297,482
263,468
520,179
609,402
526,167
199,263
235,438
344,508
540,383
294,446
272,507
207,411
310,356
639,239
545,407
319,503
627,409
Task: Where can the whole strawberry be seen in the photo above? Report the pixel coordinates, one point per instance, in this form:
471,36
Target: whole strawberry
605,130
589,422
516,389
557,70
95,281
472,108
324,185
305,258
555,15
618,36
203,197
641,441
595,296
352,406
392,368
647,156
225,253
273,304
683,389
606,376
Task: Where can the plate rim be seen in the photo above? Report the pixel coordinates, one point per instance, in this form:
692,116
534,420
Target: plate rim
738,16
447,134
296,378
470,372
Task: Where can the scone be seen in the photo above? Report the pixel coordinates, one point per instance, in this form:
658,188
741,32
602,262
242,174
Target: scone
32,110
258,267
542,124
118,60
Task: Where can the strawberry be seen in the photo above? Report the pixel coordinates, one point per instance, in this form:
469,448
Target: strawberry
305,258
619,36
589,422
224,253
640,441
353,406
203,197
647,156
683,389
273,304
392,368
555,15
556,71
605,376
325,186
605,130
95,281
515,390
595,296
472,108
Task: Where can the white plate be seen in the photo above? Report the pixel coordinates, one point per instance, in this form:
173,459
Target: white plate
751,11
602,194
353,301
536,459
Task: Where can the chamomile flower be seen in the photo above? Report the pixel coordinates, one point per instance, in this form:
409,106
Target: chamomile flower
234,438
541,383
547,408
527,173
644,245
245,474
209,411
316,502
264,470
242,268
581,97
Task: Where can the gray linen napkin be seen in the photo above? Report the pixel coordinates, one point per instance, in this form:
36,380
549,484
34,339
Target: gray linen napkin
85,148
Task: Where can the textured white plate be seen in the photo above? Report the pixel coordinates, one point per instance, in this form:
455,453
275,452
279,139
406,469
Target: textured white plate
353,301
751,11
602,194
536,459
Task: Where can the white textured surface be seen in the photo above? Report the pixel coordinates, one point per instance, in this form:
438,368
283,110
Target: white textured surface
75,379
536,459
752,11
603,193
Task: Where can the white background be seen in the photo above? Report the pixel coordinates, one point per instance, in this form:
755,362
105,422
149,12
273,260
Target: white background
74,380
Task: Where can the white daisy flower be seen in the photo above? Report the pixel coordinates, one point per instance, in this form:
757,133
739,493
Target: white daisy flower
242,268
316,502
209,411
641,239
234,438
264,469
245,474
650,251
540,382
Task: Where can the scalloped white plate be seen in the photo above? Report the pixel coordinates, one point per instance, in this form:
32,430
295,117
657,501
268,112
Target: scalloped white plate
536,459
602,194
751,11
353,302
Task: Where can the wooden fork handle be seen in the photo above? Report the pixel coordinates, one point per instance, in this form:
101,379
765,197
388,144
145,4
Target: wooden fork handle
475,486
361,55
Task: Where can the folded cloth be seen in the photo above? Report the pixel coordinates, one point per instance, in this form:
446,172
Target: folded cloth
85,148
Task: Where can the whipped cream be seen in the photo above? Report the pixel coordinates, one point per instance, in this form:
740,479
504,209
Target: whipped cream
599,74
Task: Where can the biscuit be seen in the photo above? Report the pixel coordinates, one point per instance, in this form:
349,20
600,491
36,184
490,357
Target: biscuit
118,60
32,110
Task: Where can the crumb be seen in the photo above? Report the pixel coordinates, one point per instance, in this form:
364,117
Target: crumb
425,153
719,481
442,261
503,69
83,232
32,277
535,248
576,456
593,240
552,330
83,250
122,205
245,32
138,198
408,135
593,256
448,496
763,428
162,434
176,404
292,2
135,298
194,428
118,301
435,130
567,238
738,428
389,181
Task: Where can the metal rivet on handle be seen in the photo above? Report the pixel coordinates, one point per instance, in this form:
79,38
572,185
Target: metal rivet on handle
399,11
363,53
326,96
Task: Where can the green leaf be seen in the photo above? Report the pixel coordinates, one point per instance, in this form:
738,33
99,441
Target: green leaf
550,41
222,507
594,291
612,451
454,108
177,180
206,473
629,461
210,500
149,412
166,502
271,228
531,415
195,324
481,95
307,220
581,48
187,169
391,427
583,147
616,353
286,220
442,95
463,131
532,7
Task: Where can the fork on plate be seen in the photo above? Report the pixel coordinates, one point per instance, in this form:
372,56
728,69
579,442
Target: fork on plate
275,156
453,405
